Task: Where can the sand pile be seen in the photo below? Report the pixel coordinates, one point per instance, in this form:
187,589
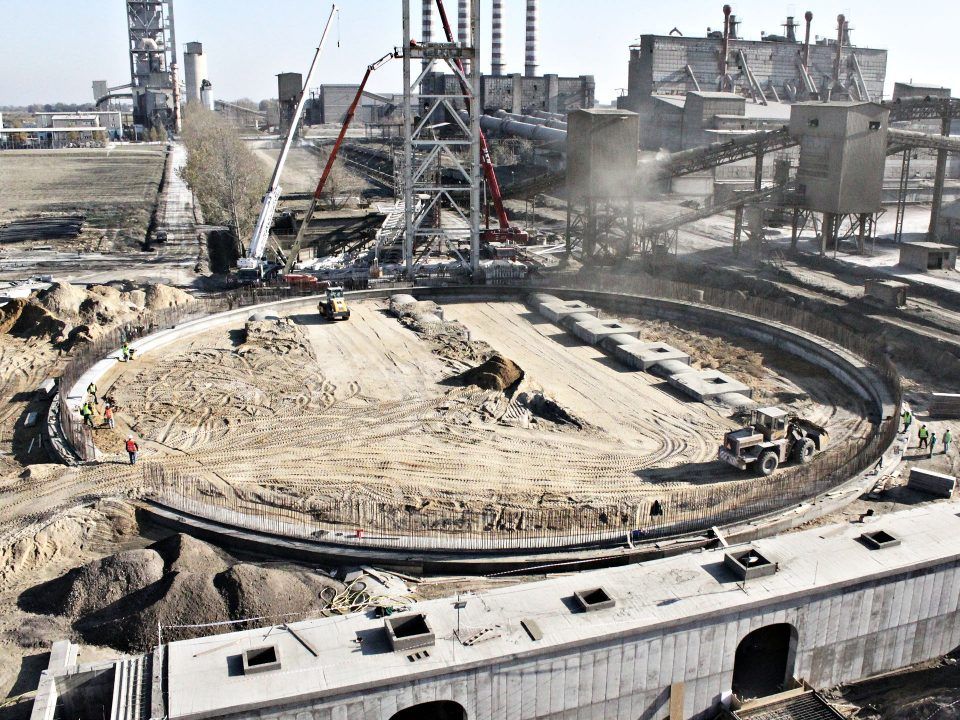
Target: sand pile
496,373
69,314
118,600
275,336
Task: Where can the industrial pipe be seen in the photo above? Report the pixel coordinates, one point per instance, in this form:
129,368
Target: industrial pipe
549,115
808,16
530,119
496,50
530,67
537,133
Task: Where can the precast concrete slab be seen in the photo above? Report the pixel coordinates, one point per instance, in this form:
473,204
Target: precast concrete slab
535,300
611,342
594,331
568,322
706,384
556,311
642,356
669,368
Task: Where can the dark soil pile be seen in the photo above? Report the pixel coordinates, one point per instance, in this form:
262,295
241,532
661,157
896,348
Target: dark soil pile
496,373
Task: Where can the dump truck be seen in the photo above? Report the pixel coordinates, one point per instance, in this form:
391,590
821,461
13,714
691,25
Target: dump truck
773,437
334,306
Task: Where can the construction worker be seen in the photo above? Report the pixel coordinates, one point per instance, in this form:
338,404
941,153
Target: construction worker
124,352
92,391
907,420
108,416
86,412
933,443
947,439
132,449
924,435
131,351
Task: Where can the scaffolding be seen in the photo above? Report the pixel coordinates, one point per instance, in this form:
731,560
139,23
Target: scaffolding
441,164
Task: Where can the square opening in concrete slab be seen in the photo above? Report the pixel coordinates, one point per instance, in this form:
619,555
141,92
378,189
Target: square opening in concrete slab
643,356
594,599
705,384
879,539
594,331
749,564
262,659
409,631
556,311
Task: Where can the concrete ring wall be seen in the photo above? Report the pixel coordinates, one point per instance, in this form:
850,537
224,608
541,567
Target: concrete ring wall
847,367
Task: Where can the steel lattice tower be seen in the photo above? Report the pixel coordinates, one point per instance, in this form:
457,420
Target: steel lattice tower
153,62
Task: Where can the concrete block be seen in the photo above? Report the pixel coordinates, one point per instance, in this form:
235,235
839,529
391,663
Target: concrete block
535,300
408,632
594,331
706,384
556,311
570,321
749,564
643,356
611,342
594,599
261,659
932,483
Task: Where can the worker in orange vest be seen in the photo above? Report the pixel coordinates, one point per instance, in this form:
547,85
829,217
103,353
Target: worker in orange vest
132,449
108,415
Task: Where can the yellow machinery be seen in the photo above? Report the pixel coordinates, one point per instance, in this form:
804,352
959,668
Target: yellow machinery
334,305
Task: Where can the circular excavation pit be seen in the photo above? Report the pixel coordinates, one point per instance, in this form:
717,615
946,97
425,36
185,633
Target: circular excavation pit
366,437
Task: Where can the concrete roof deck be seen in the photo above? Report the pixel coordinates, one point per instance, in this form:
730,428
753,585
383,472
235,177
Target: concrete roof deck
203,673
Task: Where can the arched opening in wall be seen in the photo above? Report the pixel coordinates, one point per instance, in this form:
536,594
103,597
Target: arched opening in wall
439,710
764,661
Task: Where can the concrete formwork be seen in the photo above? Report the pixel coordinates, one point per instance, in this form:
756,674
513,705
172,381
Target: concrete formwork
555,312
594,331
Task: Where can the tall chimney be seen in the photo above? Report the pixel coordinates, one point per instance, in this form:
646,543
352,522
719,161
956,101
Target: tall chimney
841,26
808,16
791,29
724,48
427,34
496,54
733,27
530,69
464,36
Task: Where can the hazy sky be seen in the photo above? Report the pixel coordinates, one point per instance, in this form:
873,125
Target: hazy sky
52,50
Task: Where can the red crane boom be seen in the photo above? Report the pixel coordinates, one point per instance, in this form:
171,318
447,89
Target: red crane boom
506,232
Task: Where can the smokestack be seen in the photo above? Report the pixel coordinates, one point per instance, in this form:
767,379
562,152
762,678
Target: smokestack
496,54
724,47
530,70
808,16
733,27
427,34
841,26
464,36
791,29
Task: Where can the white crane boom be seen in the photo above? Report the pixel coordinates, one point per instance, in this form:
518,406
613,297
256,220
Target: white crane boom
261,232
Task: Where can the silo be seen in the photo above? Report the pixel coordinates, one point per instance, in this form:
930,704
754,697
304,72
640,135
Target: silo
194,71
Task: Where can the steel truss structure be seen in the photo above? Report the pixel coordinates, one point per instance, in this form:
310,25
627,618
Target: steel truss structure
441,164
153,59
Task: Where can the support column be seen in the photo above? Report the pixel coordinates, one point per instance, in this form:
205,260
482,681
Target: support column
408,209
737,229
938,181
794,234
475,112
864,219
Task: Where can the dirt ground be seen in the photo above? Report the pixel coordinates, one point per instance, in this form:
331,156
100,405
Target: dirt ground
261,414
116,188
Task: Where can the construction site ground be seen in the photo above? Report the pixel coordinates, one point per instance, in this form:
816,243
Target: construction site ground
365,409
